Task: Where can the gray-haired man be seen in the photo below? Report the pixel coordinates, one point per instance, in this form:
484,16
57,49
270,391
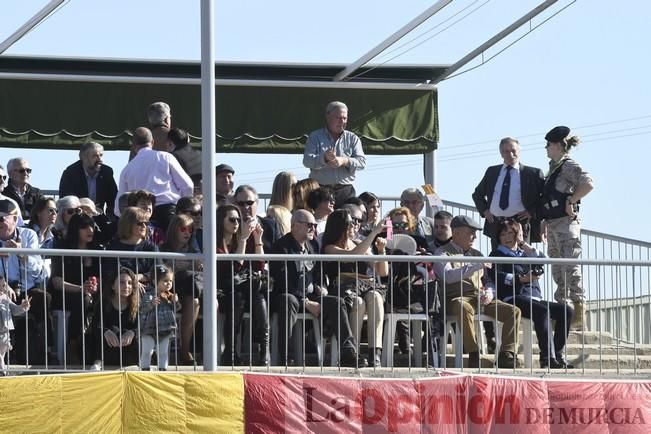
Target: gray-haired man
333,154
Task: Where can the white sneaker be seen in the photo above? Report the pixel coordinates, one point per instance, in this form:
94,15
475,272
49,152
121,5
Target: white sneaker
97,366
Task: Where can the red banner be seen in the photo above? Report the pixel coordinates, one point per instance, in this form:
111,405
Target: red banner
448,404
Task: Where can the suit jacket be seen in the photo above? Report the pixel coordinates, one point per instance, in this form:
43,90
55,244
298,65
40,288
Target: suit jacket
531,186
297,274
73,182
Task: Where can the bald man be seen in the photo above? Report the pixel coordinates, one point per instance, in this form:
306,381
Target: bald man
297,289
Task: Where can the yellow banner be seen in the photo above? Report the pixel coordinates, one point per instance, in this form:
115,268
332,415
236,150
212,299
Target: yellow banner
123,402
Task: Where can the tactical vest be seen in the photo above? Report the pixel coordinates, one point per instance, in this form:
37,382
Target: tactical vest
553,201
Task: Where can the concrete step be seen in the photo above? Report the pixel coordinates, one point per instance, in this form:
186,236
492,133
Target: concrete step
580,362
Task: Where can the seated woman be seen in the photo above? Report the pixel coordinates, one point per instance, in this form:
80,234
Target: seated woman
132,236
236,293
74,279
321,202
43,215
280,203
413,289
114,329
372,217
519,284
404,222
300,191
188,279
350,276
67,206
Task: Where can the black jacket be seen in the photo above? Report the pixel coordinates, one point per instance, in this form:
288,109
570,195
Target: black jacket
27,201
73,182
531,185
300,273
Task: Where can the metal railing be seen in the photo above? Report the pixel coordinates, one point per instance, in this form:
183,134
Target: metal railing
596,351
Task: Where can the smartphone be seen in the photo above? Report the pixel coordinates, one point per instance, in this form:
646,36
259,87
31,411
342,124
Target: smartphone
389,225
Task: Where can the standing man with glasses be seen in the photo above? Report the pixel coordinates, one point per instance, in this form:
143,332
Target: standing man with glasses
18,187
3,184
333,154
510,191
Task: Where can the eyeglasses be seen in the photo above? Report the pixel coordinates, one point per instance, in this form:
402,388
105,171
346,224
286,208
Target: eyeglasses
235,220
4,217
72,211
25,170
309,225
52,210
193,213
186,229
245,202
142,223
400,225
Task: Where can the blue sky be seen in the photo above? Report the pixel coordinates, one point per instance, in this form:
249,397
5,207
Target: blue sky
584,68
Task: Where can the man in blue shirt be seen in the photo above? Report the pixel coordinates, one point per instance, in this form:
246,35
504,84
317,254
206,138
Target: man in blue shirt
334,154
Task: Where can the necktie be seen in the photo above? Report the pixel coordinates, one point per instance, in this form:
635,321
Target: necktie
504,195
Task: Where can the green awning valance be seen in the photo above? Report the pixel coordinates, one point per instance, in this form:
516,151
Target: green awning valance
61,114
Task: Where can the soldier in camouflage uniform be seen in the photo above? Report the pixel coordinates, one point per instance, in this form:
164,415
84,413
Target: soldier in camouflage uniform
565,185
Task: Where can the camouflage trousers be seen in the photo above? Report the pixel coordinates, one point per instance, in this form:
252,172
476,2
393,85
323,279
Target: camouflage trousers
564,241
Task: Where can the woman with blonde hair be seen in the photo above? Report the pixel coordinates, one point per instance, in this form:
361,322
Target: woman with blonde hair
281,202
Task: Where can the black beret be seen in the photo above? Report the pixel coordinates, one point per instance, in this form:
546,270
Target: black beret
557,134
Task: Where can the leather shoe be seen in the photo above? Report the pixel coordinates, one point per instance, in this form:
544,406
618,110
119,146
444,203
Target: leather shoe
508,360
473,360
350,359
563,364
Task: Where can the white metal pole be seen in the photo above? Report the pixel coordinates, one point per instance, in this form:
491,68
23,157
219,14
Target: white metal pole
495,39
210,352
429,162
411,25
30,24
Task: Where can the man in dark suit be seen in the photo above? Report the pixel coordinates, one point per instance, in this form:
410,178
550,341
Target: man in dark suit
89,177
510,191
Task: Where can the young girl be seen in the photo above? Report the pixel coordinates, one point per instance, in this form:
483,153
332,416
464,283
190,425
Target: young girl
158,318
7,308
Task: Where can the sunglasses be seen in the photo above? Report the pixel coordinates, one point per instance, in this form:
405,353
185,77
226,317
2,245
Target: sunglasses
25,170
245,202
309,225
3,178
400,225
73,211
356,221
52,210
235,220
4,217
142,223
192,212
186,229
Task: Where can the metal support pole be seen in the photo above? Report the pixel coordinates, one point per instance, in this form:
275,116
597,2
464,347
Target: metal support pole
411,25
429,164
494,40
208,129
30,24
